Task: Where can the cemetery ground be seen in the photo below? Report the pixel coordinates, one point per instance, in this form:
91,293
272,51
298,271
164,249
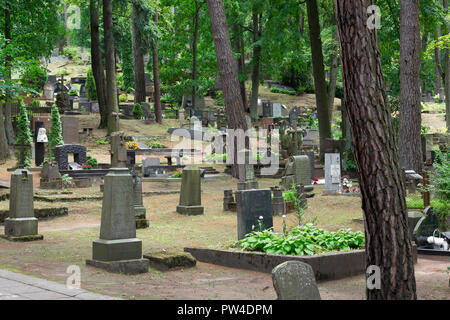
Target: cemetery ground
68,241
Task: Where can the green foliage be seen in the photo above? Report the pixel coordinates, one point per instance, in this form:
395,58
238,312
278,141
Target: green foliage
284,91
91,89
55,136
91,161
440,178
155,143
73,93
137,111
24,136
303,240
219,100
34,77
351,164
216,157
123,97
100,141
35,103
72,53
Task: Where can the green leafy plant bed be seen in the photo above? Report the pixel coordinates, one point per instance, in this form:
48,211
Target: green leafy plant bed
303,240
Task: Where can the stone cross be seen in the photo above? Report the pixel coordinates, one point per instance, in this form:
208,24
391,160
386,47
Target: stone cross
23,146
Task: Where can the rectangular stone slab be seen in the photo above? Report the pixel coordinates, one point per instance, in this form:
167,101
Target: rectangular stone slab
115,250
21,227
135,266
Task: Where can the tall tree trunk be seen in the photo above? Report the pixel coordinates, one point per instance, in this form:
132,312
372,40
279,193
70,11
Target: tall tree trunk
333,77
410,145
388,243
110,66
66,26
437,59
157,89
239,47
138,56
97,63
194,56
4,149
319,74
424,48
234,106
447,78
256,63
8,119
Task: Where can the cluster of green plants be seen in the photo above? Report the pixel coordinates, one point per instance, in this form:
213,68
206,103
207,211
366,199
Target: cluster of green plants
24,137
219,100
123,97
167,98
137,111
155,143
310,122
34,77
71,53
336,129
35,103
73,93
216,157
302,240
101,141
91,89
284,91
91,161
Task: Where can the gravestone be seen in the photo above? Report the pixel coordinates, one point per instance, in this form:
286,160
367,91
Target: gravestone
277,110
40,138
50,177
62,155
84,106
70,130
138,204
49,89
228,199
118,150
95,107
246,171
146,110
295,280
298,172
83,90
62,102
278,204
332,173
21,225
267,109
131,158
149,167
293,116
190,195
311,138
118,250
427,224
310,155
251,205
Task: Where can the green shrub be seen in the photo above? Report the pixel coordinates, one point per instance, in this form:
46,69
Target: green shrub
123,97
137,111
34,77
284,91
91,161
73,93
35,103
55,136
303,240
91,90
23,136
71,53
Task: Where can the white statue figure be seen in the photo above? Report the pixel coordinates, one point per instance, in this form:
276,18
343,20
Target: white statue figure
42,135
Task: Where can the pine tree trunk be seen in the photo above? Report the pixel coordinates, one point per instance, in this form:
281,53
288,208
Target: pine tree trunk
437,69
388,243
4,149
447,78
410,143
239,47
333,78
194,56
8,120
97,63
256,64
234,106
320,84
138,57
110,66
157,89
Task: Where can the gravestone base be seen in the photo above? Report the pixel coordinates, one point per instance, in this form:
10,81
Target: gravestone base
54,184
34,237
190,210
142,223
330,192
117,250
247,185
134,266
166,260
21,227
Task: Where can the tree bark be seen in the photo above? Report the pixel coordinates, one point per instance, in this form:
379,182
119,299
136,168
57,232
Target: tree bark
333,78
228,73
256,63
319,74
8,119
138,56
110,65
239,47
424,48
157,89
98,70
4,149
410,143
447,78
194,56
388,243
437,59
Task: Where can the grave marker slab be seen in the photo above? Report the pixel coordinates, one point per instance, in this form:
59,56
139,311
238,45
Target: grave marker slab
332,173
190,195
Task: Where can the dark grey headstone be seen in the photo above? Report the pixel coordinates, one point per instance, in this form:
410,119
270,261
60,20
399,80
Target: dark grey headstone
251,205
427,224
295,280
62,155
